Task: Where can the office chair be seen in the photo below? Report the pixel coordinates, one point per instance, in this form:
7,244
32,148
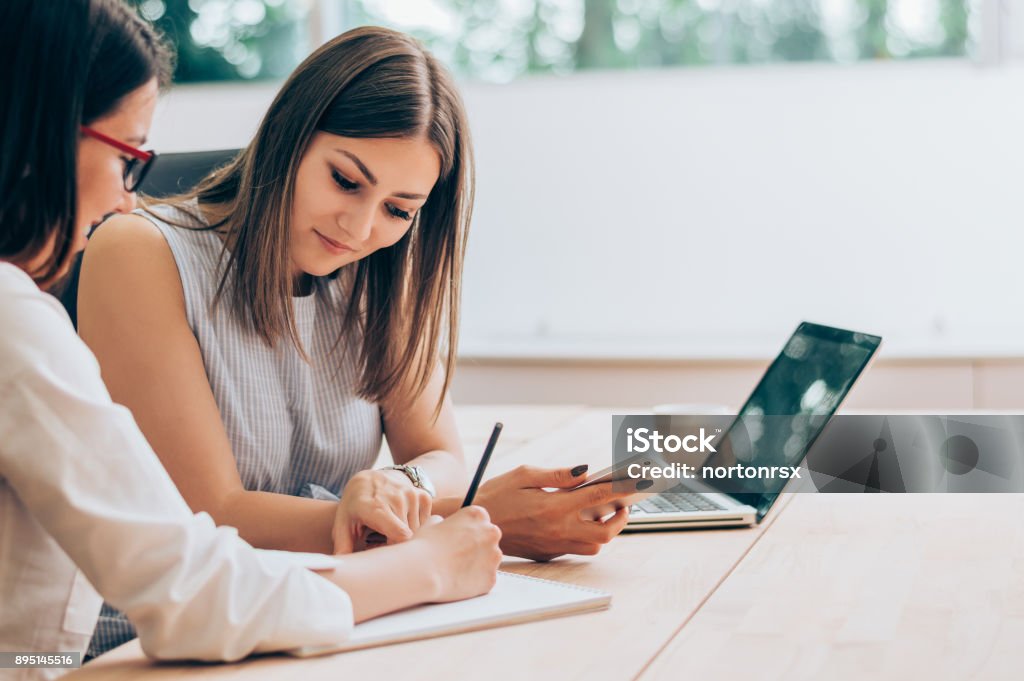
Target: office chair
170,174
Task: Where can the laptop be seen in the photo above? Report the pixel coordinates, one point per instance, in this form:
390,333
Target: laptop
801,390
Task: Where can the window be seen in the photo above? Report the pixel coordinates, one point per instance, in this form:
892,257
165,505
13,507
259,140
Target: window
499,40
221,40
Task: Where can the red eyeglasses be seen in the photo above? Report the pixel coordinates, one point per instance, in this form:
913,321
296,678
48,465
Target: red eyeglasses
136,167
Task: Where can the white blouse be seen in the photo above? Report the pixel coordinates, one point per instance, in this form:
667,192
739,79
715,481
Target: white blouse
86,507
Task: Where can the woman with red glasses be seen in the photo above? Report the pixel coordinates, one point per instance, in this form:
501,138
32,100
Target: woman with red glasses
136,162
87,512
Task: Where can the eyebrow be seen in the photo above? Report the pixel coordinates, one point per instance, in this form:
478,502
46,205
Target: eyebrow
137,140
373,180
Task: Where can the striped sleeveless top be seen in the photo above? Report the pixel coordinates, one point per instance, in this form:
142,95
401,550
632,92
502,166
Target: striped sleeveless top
291,423
295,427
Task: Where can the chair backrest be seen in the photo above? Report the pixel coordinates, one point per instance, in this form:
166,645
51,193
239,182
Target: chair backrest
176,173
170,174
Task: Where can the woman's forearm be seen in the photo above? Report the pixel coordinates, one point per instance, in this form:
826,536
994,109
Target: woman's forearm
445,506
379,581
279,521
287,523
446,470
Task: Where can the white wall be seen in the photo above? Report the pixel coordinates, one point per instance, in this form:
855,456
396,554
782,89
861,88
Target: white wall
704,212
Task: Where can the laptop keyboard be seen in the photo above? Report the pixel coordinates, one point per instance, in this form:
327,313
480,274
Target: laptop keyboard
675,502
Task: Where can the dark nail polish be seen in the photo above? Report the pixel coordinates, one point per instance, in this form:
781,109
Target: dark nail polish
579,470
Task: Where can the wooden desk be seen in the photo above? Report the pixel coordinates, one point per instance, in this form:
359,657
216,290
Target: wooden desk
826,587
894,586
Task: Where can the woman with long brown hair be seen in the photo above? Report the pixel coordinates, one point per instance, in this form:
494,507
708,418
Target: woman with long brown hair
269,327
86,509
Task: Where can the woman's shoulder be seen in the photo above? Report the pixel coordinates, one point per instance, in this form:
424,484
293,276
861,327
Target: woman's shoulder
37,330
124,239
159,235
128,262
19,297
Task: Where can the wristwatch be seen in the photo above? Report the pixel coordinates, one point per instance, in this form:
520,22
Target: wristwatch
417,476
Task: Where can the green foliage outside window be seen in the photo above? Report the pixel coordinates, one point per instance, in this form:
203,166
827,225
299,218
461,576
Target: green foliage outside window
498,40
220,40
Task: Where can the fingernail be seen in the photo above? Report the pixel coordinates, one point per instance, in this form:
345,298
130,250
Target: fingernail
579,470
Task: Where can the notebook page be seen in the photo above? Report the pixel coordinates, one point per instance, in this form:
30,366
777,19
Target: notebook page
515,598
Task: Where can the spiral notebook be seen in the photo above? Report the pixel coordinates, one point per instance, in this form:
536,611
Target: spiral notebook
513,600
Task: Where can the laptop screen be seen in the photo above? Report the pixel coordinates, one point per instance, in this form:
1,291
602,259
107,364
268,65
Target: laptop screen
792,404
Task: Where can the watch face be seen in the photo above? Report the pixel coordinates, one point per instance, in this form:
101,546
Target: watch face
417,476
421,480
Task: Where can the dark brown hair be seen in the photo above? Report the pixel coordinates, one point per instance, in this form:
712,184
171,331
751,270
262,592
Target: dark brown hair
403,300
66,63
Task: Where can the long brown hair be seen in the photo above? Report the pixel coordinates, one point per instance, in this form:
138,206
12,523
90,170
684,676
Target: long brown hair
404,300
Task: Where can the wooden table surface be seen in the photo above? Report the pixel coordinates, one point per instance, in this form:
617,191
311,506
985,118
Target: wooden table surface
827,587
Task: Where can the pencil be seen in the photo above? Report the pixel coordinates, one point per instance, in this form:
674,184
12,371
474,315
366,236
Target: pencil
479,475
